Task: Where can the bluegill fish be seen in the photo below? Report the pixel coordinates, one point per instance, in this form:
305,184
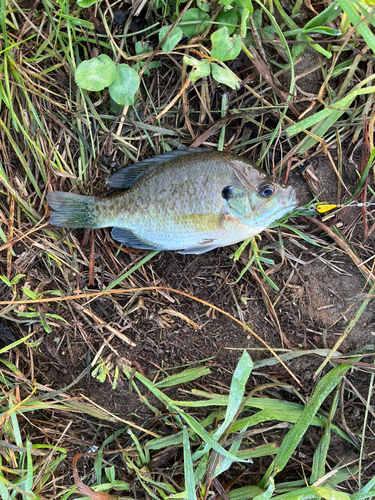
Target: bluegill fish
188,200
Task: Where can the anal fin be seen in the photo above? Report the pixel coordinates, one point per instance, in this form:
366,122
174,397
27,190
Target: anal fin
198,250
128,238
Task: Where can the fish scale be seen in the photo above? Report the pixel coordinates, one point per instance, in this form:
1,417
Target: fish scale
186,201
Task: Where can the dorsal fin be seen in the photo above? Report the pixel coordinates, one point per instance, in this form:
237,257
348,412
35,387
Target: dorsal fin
125,178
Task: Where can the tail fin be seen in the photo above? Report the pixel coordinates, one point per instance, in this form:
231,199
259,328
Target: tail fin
72,210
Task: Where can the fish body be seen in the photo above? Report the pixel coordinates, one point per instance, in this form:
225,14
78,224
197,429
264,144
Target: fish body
189,200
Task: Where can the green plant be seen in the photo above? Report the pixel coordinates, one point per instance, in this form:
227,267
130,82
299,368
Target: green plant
217,448
38,313
56,138
258,257
31,312
194,22
101,72
224,48
13,282
145,48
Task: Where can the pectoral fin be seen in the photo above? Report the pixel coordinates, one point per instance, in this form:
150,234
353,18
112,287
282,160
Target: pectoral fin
128,238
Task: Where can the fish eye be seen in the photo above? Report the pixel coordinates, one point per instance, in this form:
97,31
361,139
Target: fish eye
266,190
226,193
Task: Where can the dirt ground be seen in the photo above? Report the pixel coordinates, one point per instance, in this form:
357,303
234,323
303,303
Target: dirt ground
320,292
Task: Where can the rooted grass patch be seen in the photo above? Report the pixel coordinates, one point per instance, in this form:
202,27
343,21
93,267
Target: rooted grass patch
246,372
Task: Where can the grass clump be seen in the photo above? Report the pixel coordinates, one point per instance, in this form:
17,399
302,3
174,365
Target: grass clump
188,457
88,87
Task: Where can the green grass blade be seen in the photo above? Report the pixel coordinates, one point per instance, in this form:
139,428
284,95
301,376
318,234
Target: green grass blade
206,436
16,343
183,377
294,436
349,7
321,452
145,259
312,493
266,495
197,428
226,463
188,468
264,450
292,25
245,493
28,484
3,490
236,392
363,496
334,110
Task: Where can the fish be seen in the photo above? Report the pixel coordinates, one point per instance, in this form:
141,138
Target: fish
189,200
